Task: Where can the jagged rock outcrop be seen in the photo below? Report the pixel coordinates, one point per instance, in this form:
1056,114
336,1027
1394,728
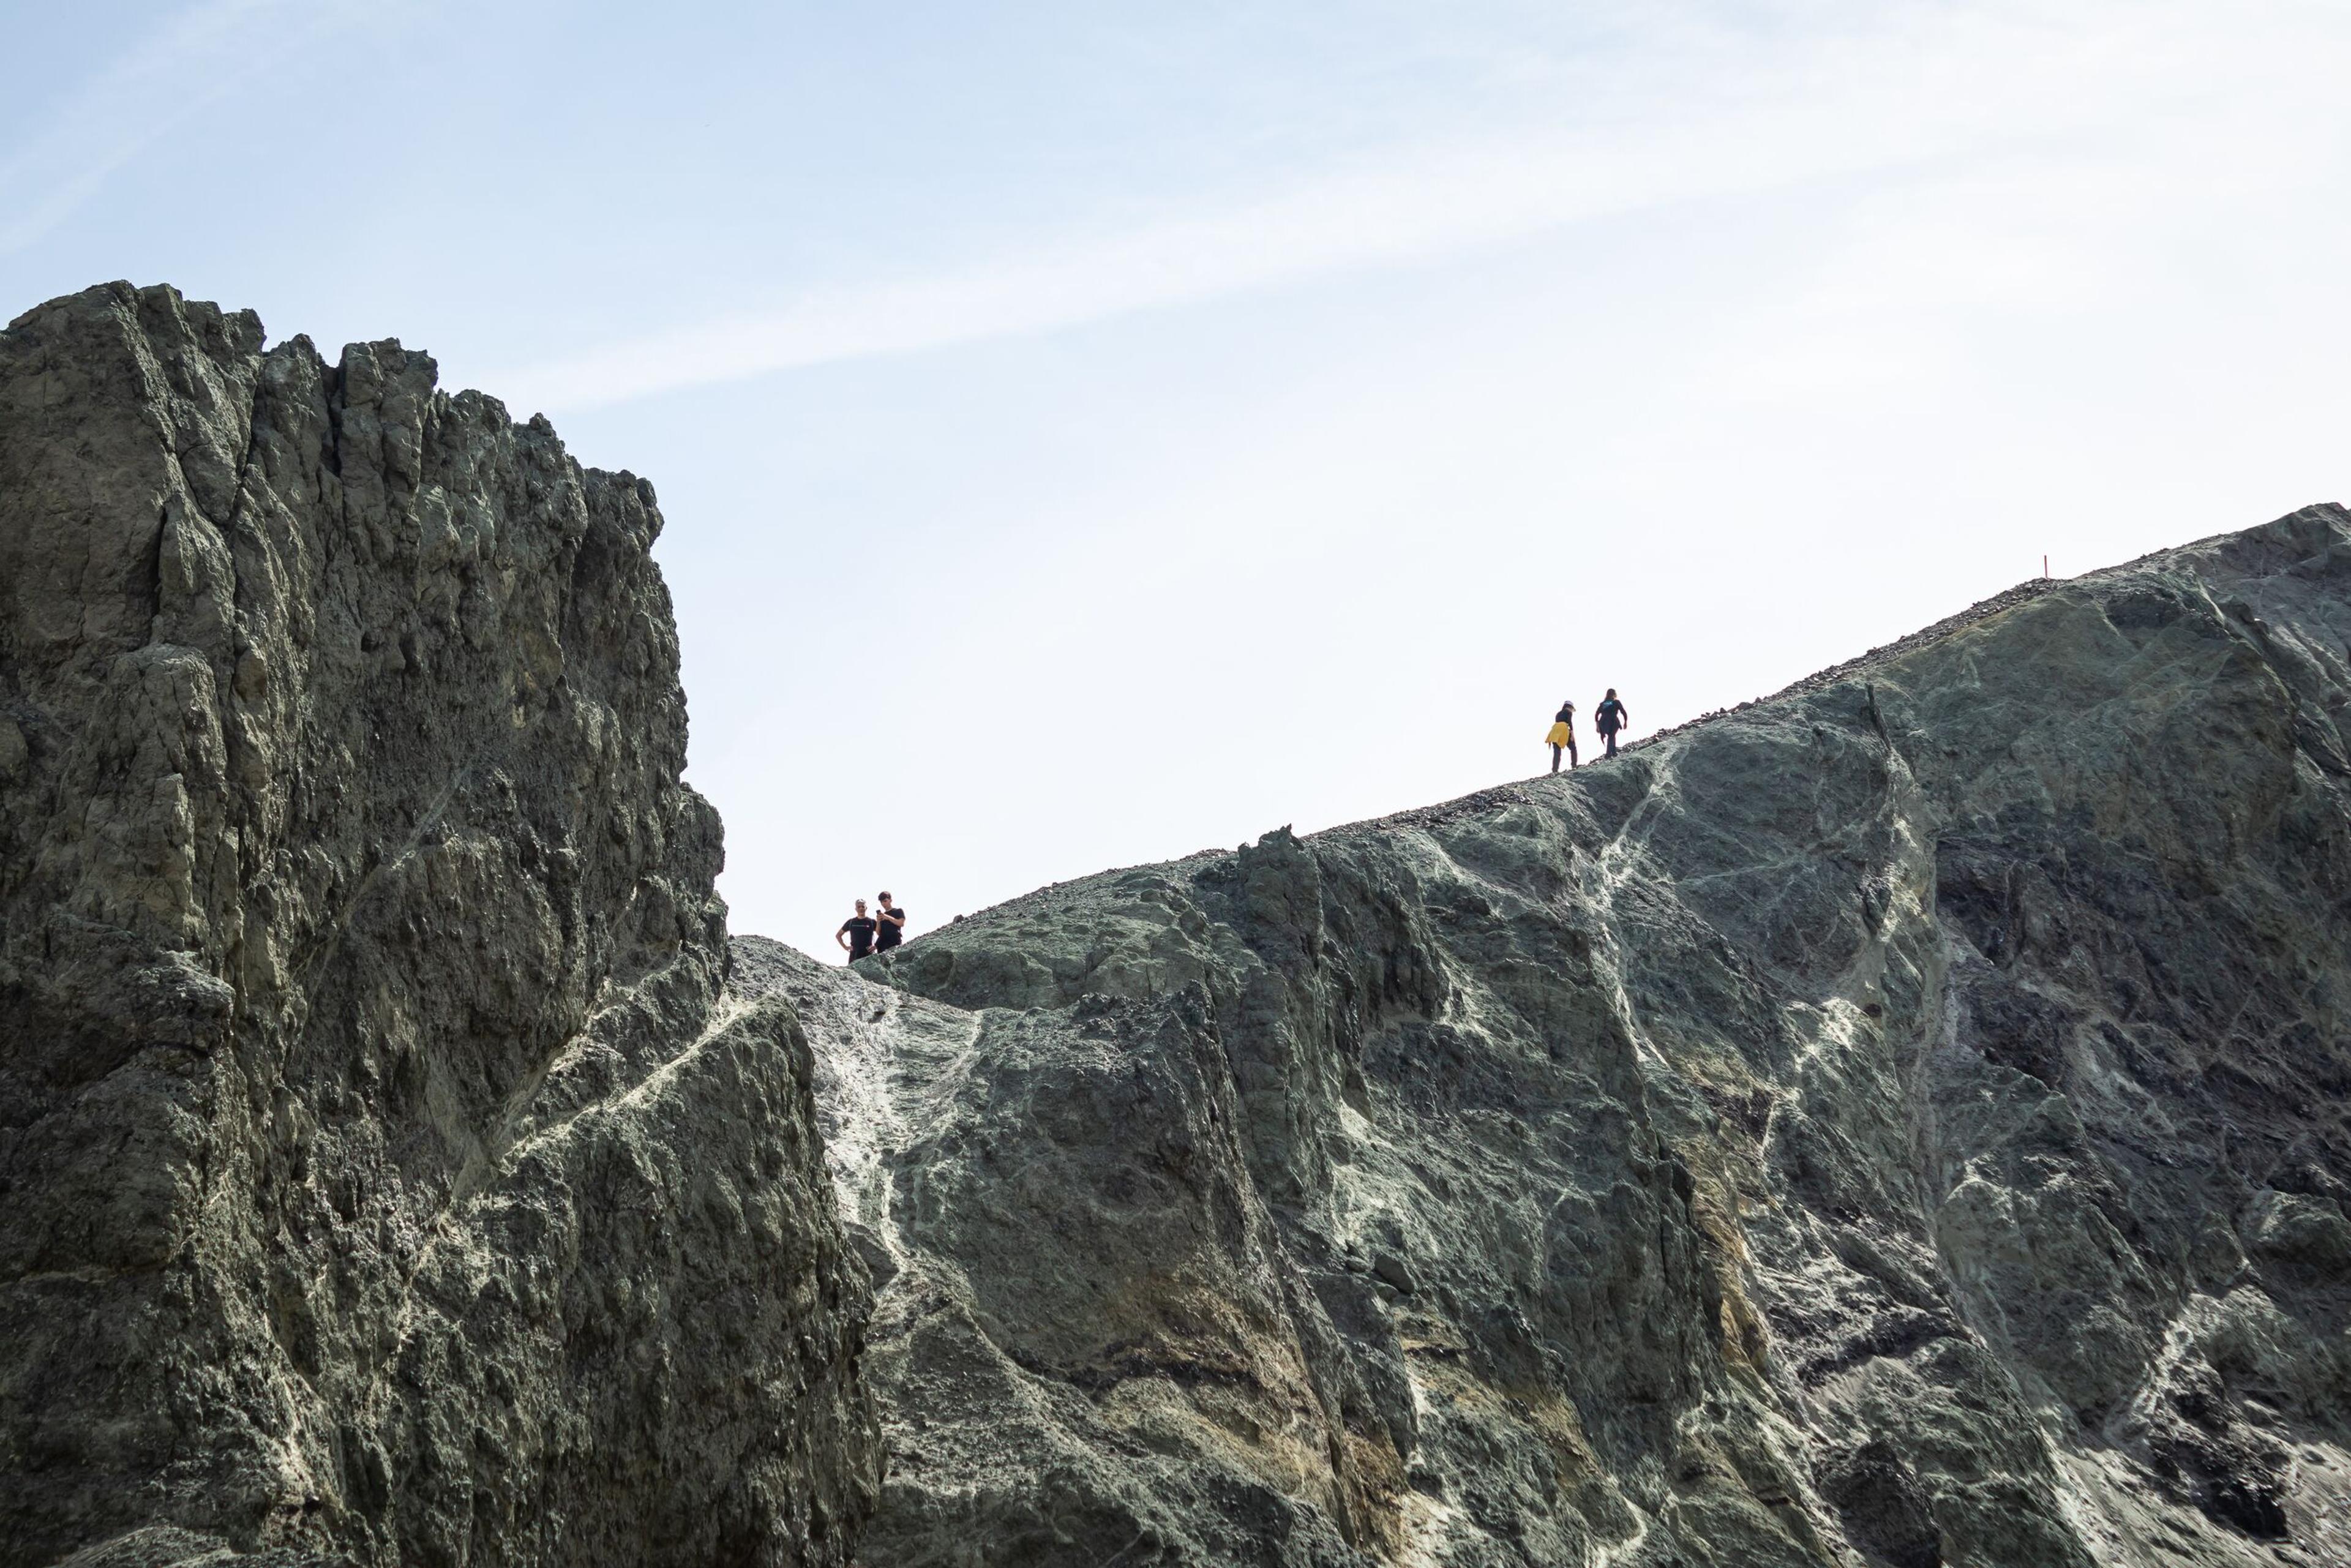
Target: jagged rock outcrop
1904,1123
1899,1122
380,1177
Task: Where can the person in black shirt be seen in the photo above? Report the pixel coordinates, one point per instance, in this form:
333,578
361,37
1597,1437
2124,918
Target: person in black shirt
856,934
893,926
1609,717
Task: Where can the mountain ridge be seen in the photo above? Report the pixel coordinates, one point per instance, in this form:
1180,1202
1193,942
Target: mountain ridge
1901,1122
1873,1032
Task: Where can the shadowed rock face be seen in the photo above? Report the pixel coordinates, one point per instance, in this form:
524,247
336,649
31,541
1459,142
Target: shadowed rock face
380,1176
1899,1122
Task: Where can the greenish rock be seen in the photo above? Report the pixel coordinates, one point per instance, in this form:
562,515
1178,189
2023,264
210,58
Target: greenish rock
1898,1124
1901,1121
381,1179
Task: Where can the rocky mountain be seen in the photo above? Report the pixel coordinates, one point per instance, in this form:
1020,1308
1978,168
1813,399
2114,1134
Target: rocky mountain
1895,1125
383,1178
1899,1122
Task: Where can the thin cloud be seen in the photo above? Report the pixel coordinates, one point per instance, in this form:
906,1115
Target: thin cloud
1658,125
1412,209
201,56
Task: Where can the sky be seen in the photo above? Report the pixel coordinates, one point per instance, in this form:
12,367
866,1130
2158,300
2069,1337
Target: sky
1089,435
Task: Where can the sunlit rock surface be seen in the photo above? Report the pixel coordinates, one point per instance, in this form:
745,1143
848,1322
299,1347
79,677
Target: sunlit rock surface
1899,1122
381,1179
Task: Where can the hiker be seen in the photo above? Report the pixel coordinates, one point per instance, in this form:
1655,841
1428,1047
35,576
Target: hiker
856,934
1609,717
893,926
1562,733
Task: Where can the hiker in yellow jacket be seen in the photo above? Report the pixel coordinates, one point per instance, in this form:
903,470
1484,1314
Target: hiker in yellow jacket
1562,736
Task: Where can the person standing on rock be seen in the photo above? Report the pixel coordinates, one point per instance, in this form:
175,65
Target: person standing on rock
856,934
1562,734
893,926
1609,717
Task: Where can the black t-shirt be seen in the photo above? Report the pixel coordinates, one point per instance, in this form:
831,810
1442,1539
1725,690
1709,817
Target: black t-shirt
1566,716
1609,715
860,935
889,933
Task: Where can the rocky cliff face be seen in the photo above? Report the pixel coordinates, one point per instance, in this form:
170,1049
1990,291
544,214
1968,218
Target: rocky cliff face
1901,1122
382,1177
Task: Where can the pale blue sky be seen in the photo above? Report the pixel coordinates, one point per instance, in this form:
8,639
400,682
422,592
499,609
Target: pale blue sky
1091,433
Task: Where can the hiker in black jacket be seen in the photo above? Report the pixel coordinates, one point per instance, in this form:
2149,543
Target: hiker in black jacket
1609,717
